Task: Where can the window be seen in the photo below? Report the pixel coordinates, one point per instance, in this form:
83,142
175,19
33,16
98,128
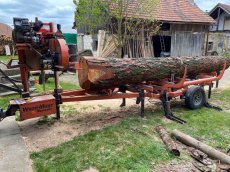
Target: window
227,23
210,46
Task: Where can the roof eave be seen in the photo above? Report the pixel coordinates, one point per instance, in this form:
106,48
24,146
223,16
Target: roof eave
218,6
187,22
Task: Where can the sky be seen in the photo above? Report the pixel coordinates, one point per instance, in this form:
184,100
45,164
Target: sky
59,11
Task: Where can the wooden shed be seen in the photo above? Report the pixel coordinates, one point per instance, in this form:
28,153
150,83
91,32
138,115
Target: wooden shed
184,26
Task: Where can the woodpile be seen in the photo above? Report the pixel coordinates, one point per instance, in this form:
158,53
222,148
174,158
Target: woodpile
136,46
96,74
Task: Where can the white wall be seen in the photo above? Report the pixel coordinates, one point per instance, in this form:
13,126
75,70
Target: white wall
222,18
87,39
85,42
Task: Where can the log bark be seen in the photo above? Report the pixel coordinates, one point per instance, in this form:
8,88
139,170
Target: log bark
210,151
97,74
167,140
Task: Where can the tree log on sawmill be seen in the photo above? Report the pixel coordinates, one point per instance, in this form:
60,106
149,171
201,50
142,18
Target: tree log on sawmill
96,74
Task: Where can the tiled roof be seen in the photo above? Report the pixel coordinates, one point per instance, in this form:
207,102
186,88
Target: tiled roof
182,11
185,11
5,30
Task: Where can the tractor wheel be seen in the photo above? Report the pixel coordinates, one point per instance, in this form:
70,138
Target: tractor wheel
195,97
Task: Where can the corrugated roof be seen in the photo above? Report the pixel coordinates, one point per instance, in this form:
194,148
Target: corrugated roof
185,11
5,30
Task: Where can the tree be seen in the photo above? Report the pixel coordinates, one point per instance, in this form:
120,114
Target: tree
123,19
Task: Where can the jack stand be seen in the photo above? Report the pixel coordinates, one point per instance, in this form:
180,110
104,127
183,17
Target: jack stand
168,113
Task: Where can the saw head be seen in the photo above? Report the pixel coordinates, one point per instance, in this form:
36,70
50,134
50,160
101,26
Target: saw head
60,51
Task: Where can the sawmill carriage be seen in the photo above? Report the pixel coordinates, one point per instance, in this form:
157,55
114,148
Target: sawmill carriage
41,48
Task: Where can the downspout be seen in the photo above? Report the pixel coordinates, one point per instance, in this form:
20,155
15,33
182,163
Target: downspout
206,48
218,21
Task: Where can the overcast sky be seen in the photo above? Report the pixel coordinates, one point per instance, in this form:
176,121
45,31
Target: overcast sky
59,11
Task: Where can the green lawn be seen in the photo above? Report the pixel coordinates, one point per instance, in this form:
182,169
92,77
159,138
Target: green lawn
7,58
50,85
4,101
228,54
133,145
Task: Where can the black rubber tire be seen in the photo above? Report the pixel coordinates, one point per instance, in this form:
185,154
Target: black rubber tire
195,97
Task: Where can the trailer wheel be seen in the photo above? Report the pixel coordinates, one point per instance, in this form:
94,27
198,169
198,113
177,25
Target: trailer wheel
195,97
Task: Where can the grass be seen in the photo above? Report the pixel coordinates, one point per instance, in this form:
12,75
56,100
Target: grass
7,58
133,145
228,54
50,85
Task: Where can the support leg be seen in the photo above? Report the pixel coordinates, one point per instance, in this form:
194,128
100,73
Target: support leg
167,109
56,94
142,101
123,100
209,92
207,104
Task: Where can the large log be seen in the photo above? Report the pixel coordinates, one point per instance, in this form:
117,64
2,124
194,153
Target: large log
97,74
210,151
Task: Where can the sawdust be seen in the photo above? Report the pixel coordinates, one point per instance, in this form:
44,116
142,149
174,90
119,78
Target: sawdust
92,115
174,166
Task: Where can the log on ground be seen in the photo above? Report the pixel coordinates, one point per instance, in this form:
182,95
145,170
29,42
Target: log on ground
98,74
210,151
171,145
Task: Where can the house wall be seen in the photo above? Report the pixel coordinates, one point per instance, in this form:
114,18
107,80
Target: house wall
218,42
221,23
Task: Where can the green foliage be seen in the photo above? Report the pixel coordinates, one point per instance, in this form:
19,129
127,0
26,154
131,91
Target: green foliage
133,145
124,19
89,14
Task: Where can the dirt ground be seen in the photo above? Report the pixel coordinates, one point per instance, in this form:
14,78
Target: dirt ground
39,134
93,115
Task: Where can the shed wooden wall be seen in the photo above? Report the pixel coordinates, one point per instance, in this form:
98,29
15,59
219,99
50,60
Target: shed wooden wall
186,39
187,44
